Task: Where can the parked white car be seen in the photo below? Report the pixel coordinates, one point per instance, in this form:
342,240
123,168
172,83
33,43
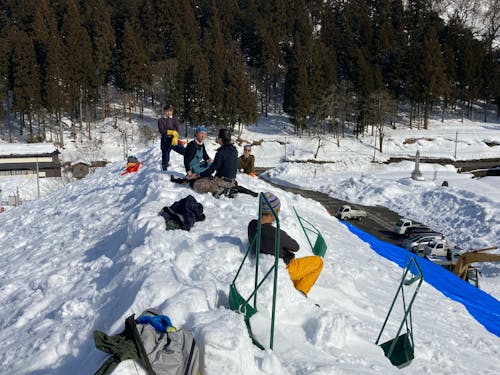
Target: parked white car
417,243
403,224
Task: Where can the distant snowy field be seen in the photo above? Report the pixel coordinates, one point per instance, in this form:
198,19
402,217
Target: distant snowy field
88,254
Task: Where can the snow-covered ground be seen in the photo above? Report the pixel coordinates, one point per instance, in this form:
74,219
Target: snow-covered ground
86,255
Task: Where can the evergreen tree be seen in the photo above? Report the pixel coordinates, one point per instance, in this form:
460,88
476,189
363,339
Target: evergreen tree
322,77
271,32
496,80
432,72
97,21
132,65
214,47
50,58
389,42
240,105
23,75
297,96
81,72
195,88
464,55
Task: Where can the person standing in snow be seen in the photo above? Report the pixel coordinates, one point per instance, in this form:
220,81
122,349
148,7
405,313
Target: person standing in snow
168,126
224,165
302,271
246,162
196,159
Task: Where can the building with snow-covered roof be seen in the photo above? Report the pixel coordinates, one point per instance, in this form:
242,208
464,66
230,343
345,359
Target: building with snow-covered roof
25,158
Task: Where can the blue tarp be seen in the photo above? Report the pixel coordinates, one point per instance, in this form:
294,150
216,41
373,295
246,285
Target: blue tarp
482,306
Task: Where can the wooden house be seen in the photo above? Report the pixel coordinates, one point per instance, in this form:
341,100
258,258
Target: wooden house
20,159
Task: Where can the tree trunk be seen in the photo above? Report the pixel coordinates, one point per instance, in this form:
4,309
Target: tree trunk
411,116
426,115
141,104
30,126
61,131
463,112
417,116
21,123
80,111
106,109
88,122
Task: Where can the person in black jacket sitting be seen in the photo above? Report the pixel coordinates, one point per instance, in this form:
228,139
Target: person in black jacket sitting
225,166
302,271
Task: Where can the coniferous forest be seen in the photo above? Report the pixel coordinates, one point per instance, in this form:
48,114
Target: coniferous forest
222,62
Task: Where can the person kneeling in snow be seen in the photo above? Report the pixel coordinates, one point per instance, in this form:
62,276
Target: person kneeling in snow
303,271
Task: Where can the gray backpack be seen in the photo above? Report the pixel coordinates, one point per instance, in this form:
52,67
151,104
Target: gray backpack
159,353
170,353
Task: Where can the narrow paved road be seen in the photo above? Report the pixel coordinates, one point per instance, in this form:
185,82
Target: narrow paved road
378,222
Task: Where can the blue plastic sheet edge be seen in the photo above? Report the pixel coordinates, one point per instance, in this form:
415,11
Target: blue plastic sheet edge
482,307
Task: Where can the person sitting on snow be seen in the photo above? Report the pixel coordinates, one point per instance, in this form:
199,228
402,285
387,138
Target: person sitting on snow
302,271
224,166
246,162
196,159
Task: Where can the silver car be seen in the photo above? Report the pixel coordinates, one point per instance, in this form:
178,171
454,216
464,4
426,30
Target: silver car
417,243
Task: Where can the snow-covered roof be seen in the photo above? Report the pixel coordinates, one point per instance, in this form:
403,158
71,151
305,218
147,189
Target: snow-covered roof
26,148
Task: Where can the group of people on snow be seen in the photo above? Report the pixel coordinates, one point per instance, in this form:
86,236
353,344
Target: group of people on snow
218,176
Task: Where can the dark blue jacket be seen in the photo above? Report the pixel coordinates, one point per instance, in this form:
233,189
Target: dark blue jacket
225,163
185,212
167,123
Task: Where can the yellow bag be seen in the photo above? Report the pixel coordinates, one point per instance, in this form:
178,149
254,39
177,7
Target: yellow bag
174,135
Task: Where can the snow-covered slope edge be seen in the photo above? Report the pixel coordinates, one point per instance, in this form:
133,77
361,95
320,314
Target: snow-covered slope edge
91,254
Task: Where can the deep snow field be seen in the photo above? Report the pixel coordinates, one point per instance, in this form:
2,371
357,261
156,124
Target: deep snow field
88,254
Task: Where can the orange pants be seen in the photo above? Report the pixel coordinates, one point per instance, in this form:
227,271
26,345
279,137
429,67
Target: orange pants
304,272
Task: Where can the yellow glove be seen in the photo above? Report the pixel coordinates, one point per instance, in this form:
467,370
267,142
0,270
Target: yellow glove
174,135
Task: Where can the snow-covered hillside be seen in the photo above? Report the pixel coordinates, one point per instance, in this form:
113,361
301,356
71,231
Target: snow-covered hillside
88,255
